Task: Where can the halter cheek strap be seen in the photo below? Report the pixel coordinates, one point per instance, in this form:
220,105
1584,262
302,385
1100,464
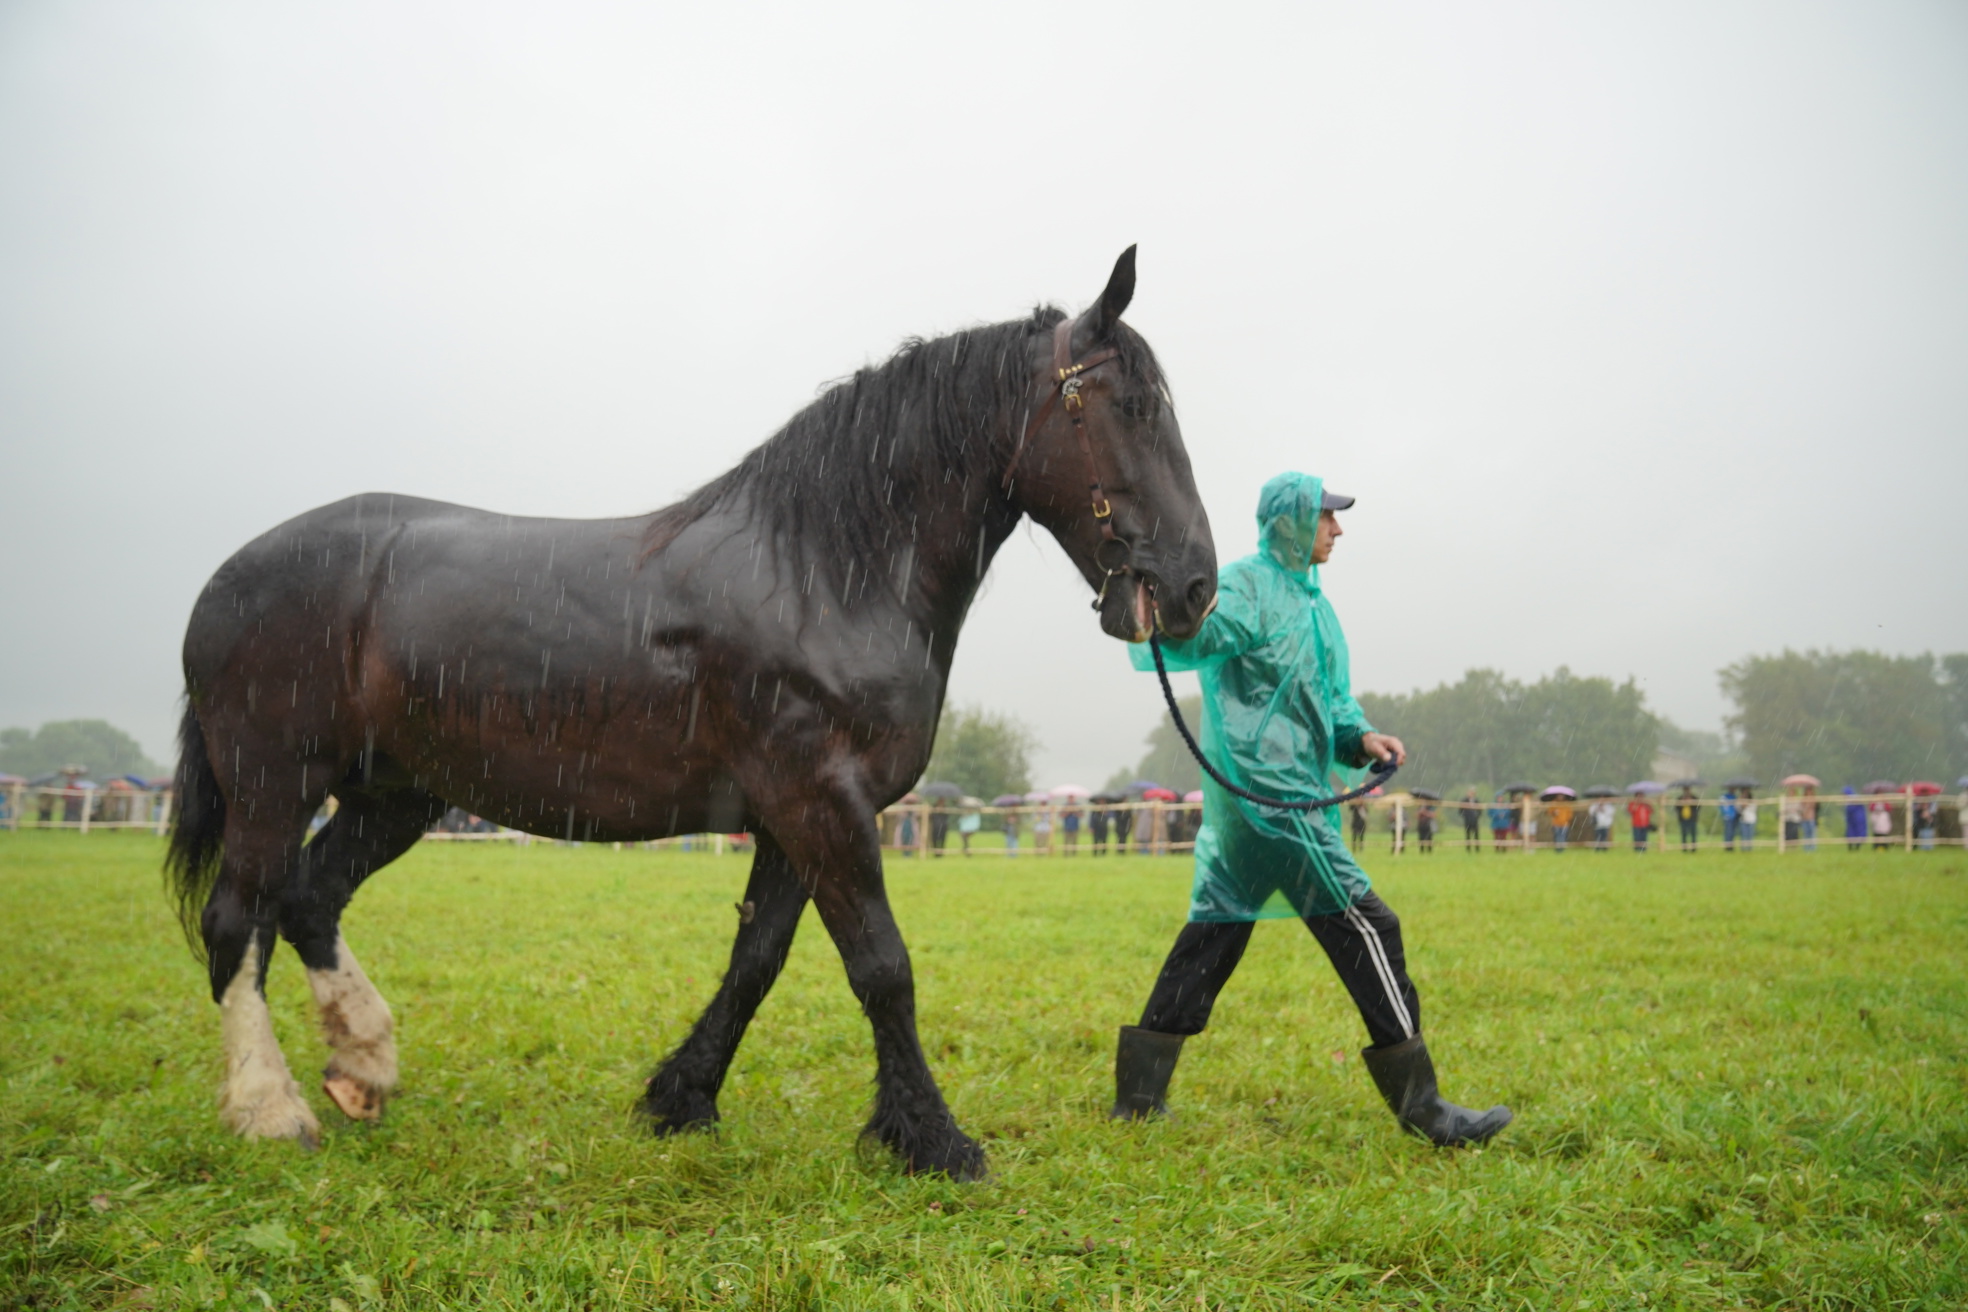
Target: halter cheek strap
1065,389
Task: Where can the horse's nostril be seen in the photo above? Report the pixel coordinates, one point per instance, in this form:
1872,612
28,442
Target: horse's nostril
1199,594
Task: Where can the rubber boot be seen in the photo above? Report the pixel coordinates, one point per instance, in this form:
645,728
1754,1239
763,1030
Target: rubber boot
1406,1079
1143,1065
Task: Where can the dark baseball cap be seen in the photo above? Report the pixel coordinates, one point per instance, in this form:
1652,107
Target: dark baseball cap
1334,501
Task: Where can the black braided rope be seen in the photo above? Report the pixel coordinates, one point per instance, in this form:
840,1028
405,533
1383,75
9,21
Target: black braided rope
1382,772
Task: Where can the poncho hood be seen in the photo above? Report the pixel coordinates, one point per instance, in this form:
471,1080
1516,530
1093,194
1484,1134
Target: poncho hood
1293,498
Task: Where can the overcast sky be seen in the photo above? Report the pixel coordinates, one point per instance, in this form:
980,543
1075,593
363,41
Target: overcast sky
1640,331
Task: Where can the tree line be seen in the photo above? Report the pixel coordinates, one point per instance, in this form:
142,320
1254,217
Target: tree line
99,747
1846,717
1851,717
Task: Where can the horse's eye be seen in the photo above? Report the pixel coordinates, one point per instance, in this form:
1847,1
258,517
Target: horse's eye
1137,405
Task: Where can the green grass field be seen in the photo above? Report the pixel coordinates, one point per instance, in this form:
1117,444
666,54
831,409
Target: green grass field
1739,1083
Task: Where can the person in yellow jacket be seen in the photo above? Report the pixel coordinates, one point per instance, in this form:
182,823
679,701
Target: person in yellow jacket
1560,812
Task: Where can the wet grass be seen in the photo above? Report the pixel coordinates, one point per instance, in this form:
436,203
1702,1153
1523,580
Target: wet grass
1739,1082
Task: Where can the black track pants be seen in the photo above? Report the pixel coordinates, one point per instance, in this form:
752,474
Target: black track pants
1363,942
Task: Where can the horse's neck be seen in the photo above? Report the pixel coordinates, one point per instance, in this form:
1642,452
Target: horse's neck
953,551
963,523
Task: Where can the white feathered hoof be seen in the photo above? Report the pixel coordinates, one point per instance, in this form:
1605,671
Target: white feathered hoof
260,1099
267,1104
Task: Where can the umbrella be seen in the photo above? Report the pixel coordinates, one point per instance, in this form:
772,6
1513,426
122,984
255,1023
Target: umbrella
1646,786
1426,794
1557,790
1921,788
1962,782
1142,786
1073,791
1687,783
1602,790
1008,799
1194,795
1520,788
1802,781
971,802
1743,782
1882,786
1035,797
1159,795
942,792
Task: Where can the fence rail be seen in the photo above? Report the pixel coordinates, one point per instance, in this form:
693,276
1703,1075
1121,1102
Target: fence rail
1166,828
46,806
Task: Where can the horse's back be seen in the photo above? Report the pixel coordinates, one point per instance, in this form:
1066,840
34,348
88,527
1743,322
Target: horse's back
322,570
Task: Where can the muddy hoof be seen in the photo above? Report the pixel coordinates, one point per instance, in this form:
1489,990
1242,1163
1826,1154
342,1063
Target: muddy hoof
358,1101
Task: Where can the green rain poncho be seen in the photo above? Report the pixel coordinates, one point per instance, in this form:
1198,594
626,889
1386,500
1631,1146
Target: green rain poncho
1279,719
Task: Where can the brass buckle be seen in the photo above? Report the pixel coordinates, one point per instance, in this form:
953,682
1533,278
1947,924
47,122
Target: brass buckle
1103,509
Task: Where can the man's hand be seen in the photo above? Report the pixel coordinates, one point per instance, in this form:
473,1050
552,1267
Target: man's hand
1384,747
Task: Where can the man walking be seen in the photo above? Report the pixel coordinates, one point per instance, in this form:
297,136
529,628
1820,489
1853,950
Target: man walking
1278,717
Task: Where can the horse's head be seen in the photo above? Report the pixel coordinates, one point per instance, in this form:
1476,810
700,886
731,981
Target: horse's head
1101,465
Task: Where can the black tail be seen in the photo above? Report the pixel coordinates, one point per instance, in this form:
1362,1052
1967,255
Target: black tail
197,830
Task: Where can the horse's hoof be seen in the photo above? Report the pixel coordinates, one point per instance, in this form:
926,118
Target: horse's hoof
677,1114
963,1161
357,1101
664,1127
279,1114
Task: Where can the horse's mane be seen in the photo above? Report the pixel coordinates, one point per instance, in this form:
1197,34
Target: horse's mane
843,480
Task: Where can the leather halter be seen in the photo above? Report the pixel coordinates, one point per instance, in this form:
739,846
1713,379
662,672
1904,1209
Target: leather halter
1065,389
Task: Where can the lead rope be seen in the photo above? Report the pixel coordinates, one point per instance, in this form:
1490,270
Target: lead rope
1382,773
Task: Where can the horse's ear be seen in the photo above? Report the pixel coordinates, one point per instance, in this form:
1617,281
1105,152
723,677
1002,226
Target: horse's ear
1120,290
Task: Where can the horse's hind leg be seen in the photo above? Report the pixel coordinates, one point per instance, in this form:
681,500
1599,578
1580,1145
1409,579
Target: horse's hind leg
371,829
683,1092
260,1099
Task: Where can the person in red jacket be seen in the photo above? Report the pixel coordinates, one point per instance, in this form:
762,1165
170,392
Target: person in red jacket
1641,812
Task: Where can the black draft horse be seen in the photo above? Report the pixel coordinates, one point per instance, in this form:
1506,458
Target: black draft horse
769,654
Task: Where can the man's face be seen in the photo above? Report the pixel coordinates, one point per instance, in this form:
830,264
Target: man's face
1324,536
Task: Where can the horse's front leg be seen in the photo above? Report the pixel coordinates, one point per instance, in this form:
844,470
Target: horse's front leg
840,859
682,1094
